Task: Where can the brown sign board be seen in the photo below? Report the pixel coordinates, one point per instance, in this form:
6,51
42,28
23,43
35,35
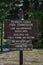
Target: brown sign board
20,32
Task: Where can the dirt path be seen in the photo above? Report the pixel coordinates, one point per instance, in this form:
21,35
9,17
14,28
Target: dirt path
34,57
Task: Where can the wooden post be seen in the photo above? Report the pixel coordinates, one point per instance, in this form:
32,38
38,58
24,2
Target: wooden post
21,57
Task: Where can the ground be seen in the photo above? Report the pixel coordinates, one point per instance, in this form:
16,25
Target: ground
34,57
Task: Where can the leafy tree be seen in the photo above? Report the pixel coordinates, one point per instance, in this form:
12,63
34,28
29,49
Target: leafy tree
9,10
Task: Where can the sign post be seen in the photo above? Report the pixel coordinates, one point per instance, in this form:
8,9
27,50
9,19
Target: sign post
20,32
21,57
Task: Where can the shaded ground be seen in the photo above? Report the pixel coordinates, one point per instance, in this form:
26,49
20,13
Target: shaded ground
34,57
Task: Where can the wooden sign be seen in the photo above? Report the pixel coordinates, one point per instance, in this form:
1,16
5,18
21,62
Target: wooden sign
20,32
